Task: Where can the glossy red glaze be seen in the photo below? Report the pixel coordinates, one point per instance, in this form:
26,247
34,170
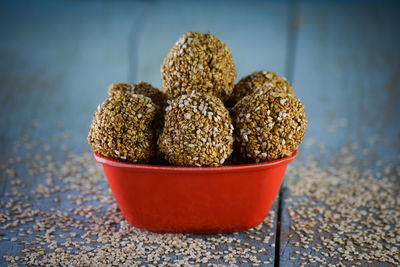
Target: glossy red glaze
170,199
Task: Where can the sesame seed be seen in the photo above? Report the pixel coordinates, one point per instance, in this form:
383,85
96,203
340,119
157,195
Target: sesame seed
181,78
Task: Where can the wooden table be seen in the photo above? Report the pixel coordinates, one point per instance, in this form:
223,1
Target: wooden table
58,58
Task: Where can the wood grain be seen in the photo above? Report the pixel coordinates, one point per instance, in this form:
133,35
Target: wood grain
346,71
55,74
58,58
57,61
256,33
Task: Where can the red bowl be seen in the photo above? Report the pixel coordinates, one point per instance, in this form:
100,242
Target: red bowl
169,199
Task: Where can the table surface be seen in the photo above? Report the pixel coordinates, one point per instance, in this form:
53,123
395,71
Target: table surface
58,58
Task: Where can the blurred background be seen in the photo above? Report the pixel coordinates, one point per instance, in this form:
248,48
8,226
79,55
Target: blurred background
58,58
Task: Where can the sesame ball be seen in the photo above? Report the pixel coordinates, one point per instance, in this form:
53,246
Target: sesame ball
260,80
141,88
119,88
197,131
146,89
269,126
122,128
199,62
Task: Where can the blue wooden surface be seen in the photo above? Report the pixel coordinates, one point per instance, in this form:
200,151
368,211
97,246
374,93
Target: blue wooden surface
346,72
248,36
58,58
53,75
245,28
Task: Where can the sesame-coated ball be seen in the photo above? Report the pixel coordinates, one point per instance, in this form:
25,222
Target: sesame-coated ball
197,131
122,128
119,88
269,126
141,88
260,80
199,62
146,89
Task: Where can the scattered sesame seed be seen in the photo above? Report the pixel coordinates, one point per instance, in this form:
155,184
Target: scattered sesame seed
343,212
93,229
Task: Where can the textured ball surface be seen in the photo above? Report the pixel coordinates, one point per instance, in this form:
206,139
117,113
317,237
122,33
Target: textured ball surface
260,80
197,131
141,88
198,62
269,126
122,128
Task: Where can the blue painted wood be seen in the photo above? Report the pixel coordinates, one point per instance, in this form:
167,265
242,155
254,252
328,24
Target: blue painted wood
57,60
256,33
346,72
58,72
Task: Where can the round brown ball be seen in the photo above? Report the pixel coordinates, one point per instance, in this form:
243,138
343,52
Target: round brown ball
146,89
269,126
122,128
141,88
119,88
199,62
260,80
198,131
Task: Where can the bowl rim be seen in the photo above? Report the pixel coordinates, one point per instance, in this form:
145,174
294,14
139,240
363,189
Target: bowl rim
194,170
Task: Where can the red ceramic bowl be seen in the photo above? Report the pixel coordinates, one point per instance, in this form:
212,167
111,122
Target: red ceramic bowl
169,199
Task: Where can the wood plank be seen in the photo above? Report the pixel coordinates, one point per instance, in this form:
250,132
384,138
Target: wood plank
64,66
57,62
58,72
255,32
346,70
